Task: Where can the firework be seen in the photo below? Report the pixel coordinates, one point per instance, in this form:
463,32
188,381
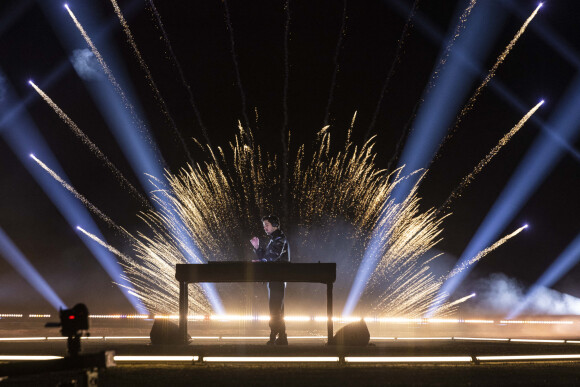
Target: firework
113,250
335,61
215,204
109,73
345,187
486,251
456,33
504,140
94,148
83,200
396,61
149,76
235,60
179,70
471,102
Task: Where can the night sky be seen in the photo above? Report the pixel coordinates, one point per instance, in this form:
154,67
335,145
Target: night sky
542,65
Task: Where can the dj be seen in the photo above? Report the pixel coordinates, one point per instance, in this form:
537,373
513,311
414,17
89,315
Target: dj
277,250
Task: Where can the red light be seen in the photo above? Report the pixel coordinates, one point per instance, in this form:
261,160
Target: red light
71,317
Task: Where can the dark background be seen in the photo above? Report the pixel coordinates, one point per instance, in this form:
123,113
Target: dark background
30,48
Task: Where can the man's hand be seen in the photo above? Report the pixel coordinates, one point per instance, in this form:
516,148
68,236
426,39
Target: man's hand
255,242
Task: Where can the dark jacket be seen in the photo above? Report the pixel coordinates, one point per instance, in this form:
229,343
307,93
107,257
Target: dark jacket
277,249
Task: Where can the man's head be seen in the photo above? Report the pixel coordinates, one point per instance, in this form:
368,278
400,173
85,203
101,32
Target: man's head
271,223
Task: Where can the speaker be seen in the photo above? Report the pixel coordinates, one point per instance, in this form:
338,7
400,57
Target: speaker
355,334
165,332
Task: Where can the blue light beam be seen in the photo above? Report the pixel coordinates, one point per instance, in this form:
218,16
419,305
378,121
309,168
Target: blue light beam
19,262
436,114
557,270
537,164
127,124
22,136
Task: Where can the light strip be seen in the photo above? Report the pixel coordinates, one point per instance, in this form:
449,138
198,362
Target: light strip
337,319
564,322
407,359
528,357
318,337
257,337
18,358
126,337
312,359
22,338
307,337
273,359
424,338
537,341
156,358
244,337
205,337
479,339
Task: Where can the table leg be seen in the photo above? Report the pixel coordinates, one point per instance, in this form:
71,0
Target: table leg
329,311
183,311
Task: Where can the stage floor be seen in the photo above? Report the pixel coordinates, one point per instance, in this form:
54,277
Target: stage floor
234,353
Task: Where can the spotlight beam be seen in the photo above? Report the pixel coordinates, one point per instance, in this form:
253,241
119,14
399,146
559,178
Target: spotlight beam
537,164
565,261
133,137
21,135
448,85
504,140
22,265
92,146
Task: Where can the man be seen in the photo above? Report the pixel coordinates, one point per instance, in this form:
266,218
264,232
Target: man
277,250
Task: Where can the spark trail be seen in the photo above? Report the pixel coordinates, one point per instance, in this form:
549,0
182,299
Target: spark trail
396,61
153,300
434,77
150,79
179,70
484,252
457,32
110,76
105,245
504,140
501,58
461,300
235,60
335,61
84,200
284,128
327,187
94,148
449,307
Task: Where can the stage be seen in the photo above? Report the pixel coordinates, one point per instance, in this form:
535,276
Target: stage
234,352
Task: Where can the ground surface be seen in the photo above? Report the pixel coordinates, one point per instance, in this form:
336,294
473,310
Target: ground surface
220,342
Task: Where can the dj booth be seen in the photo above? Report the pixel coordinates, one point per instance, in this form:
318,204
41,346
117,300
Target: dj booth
324,273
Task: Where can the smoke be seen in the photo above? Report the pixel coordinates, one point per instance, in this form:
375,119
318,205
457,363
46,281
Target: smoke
501,294
3,88
86,65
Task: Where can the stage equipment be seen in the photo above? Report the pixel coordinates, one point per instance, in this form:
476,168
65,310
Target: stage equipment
355,334
165,332
73,370
73,322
